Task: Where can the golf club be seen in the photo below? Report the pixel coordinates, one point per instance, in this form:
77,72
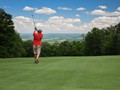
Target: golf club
33,20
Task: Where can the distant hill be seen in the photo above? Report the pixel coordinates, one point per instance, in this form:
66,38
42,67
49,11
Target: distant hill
51,38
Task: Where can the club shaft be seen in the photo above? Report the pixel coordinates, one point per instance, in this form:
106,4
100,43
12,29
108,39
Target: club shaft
33,20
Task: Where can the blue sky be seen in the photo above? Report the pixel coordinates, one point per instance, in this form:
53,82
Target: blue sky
62,16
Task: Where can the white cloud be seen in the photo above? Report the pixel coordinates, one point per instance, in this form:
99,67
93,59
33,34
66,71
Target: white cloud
23,19
54,24
23,24
118,8
104,13
80,9
26,8
98,12
59,24
60,20
101,22
64,8
45,10
102,7
77,15
105,21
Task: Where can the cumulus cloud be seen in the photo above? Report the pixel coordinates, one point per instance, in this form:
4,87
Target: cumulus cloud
77,15
108,20
104,13
118,8
23,19
80,9
101,22
102,7
55,24
59,20
23,24
26,8
59,24
64,8
45,10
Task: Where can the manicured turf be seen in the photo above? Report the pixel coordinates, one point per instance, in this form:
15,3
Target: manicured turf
61,73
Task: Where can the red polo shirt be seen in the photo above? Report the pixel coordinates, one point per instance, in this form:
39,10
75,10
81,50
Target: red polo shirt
37,38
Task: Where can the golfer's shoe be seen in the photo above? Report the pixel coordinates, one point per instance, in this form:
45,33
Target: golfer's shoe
37,61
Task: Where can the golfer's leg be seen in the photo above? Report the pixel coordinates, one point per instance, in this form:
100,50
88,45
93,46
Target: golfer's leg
35,52
37,57
38,52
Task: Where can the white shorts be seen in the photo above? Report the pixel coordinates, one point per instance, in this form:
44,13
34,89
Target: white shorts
37,49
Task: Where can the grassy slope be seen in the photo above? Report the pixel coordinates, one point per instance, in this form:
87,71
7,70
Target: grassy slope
61,73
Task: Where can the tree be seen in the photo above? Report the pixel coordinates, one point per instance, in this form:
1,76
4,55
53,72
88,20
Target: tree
64,48
29,48
93,42
11,44
111,45
76,47
46,49
117,28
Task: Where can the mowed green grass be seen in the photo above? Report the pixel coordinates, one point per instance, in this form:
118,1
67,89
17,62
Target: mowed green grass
61,73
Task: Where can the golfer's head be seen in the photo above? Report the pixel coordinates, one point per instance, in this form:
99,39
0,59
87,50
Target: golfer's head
39,30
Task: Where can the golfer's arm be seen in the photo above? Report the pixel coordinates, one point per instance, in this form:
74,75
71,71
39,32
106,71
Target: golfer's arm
35,31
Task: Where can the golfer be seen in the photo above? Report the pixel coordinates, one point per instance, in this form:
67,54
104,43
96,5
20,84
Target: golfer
37,44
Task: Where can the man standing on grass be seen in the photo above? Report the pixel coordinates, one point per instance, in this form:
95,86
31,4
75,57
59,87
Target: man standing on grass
37,44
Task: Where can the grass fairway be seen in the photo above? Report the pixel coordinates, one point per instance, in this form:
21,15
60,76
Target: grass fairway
61,73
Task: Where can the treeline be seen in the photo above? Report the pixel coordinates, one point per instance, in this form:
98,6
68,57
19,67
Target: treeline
104,41
11,44
65,48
